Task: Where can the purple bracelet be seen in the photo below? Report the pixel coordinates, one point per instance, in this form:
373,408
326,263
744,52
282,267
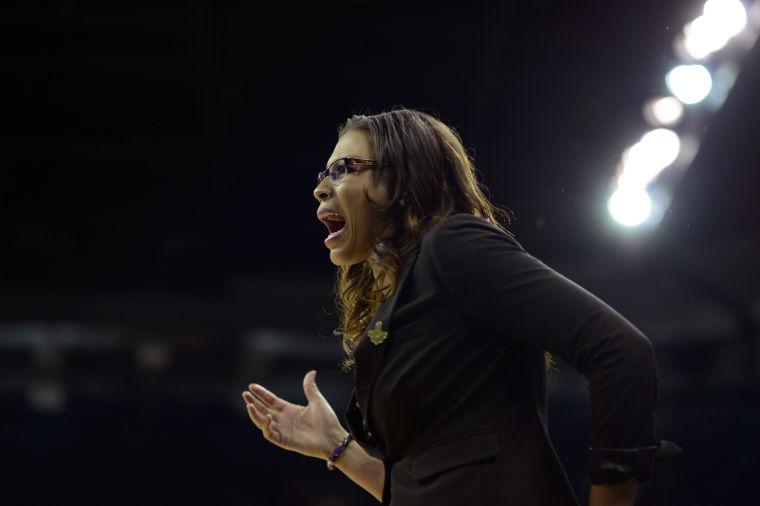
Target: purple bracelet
335,453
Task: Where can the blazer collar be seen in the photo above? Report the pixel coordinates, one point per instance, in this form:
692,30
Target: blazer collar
368,356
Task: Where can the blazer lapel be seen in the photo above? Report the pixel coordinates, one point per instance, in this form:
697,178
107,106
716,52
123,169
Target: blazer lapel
370,353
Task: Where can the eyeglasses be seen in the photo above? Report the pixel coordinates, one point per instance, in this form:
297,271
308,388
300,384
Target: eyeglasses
343,166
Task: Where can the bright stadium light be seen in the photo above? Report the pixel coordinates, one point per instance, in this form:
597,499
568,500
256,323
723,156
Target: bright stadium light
663,111
661,145
729,16
640,195
701,38
710,32
689,83
644,161
630,207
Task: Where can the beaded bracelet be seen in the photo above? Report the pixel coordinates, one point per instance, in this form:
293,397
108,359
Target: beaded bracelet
335,453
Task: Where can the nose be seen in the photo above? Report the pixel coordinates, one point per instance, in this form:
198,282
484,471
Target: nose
322,191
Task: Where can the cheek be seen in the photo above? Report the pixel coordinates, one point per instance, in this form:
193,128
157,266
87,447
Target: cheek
361,223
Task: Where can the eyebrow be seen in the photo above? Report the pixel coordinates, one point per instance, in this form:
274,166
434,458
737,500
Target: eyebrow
330,162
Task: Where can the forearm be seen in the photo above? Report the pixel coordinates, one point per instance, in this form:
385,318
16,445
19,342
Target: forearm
620,494
363,469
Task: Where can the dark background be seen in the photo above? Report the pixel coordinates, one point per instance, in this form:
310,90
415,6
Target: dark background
159,248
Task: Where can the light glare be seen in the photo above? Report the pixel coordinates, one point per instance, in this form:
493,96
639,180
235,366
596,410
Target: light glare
644,161
710,32
629,207
663,111
702,37
689,83
729,16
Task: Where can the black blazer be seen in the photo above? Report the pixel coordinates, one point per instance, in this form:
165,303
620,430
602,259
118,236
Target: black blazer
450,382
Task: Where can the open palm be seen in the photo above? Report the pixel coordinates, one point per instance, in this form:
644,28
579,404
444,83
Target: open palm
310,430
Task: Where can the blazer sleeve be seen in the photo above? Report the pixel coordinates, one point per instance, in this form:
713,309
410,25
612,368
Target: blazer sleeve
500,287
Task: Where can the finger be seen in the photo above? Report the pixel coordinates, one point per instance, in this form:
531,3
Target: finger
262,404
255,401
248,397
310,386
254,416
262,409
268,397
252,395
269,430
258,413
276,437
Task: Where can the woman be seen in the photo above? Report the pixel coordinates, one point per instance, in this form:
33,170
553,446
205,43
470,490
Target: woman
446,324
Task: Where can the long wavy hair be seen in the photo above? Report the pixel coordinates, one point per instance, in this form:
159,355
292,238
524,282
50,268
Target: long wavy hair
426,166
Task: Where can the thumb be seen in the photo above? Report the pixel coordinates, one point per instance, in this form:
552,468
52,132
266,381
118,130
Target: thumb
310,386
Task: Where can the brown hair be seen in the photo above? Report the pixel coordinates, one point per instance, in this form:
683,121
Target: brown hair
426,165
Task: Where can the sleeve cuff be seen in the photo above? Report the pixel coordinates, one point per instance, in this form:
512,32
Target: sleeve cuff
612,465
386,499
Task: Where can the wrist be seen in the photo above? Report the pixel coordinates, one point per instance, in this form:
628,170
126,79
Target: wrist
618,494
338,451
334,438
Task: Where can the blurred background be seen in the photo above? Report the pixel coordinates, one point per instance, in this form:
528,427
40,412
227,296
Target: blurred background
160,251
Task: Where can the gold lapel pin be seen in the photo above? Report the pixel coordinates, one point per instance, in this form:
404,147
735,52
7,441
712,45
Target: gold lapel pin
377,335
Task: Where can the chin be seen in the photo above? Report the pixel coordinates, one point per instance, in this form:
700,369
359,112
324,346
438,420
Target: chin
337,259
337,262
342,261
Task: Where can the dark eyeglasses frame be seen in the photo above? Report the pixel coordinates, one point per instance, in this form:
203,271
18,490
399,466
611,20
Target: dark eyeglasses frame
349,166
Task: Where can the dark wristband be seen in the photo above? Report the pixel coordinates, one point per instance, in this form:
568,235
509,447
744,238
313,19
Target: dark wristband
335,453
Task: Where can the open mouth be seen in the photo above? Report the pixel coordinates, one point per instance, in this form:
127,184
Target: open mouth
334,222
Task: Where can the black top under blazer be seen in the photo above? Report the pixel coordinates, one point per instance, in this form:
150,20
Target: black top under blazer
450,391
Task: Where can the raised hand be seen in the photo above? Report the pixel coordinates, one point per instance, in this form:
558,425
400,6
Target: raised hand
311,430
